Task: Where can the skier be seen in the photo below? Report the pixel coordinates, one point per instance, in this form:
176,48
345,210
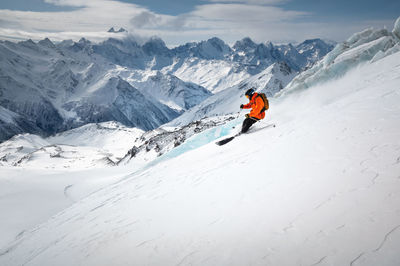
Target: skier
256,103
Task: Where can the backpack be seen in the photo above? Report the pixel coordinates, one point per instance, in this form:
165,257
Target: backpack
266,103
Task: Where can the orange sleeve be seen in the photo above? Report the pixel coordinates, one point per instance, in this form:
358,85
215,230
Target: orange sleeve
247,106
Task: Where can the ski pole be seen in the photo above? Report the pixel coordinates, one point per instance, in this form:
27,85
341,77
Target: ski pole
239,113
238,116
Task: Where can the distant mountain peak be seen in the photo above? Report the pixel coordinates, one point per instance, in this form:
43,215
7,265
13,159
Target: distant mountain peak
112,30
47,43
83,40
215,40
245,43
28,42
155,45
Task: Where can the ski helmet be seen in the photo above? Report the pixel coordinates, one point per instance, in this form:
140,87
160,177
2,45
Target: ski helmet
249,92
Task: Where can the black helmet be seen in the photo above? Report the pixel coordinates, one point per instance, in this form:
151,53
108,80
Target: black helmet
249,92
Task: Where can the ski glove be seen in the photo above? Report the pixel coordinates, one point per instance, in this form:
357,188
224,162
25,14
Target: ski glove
241,106
247,116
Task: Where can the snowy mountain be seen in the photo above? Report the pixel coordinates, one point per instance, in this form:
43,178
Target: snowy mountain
320,188
213,48
315,48
257,56
54,87
245,59
180,95
51,88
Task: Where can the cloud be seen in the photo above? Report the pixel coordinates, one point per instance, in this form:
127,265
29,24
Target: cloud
230,20
146,19
257,2
90,17
10,24
21,35
233,21
74,3
244,13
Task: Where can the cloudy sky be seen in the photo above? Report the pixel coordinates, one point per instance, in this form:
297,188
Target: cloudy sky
181,21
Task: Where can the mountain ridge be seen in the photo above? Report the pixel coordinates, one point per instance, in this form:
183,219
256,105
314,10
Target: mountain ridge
49,85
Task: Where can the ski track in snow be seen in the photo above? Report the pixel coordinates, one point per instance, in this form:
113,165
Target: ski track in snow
386,237
66,192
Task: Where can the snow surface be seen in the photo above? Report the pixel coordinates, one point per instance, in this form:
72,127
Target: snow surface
42,176
30,196
322,188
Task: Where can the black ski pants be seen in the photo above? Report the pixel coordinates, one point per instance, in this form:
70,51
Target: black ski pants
247,123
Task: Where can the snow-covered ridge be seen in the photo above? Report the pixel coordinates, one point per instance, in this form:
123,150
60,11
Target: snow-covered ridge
158,142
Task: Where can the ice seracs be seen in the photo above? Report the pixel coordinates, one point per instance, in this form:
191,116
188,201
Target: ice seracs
368,45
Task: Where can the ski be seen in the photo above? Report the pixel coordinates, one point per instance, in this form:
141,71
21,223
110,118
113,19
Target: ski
229,139
226,140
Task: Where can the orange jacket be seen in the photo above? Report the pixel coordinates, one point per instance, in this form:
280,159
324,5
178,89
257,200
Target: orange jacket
257,104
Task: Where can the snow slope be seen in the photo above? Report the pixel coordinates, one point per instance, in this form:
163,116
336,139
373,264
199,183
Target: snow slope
31,195
40,177
322,188
92,145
